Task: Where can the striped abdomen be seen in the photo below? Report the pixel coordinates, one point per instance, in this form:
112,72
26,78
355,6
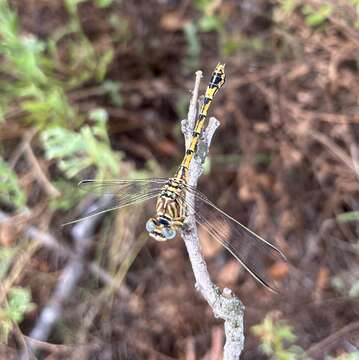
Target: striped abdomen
217,81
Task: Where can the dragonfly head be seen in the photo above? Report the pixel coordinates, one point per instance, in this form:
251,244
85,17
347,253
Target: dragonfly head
160,229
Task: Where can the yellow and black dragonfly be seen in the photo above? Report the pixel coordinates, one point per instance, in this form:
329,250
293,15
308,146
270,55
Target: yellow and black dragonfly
172,207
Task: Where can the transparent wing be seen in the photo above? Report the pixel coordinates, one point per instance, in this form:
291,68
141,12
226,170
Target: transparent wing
252,251
119,187
120,193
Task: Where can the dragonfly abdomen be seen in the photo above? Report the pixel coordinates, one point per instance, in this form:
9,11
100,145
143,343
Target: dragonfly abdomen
217,81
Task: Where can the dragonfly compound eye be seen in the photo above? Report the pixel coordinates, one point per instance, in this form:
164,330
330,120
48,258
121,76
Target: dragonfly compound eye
168,233
150,225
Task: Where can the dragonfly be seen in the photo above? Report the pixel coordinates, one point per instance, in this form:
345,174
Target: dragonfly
172,206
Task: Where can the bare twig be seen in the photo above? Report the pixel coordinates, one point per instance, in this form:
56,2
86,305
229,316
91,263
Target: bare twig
224,305
82,234
50,242
330,341
39,173
334,148
72,273
354,151
58,348
26,149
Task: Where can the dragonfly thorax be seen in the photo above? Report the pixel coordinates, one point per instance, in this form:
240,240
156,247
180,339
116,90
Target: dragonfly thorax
170,211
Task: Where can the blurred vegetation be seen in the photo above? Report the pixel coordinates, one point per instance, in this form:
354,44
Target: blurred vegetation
36,80
277,339
18,304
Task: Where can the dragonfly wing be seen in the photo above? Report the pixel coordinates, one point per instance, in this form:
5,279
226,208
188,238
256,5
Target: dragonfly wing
121,193
248,248
119,187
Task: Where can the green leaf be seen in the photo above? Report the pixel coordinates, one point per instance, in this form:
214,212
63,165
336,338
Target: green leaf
203,5
210,23
317,17
2,114
276,338
285,332
348,216
112,89
74,152
71,5
6,256
288,6
355,3
99,115
285,355
103,64
70,196
229,47
103,3
10,191
19,302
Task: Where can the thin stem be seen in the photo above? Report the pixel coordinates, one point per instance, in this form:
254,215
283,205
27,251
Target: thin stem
225,305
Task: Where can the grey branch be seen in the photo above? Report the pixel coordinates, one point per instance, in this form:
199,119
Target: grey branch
225,305
82,233
64,252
